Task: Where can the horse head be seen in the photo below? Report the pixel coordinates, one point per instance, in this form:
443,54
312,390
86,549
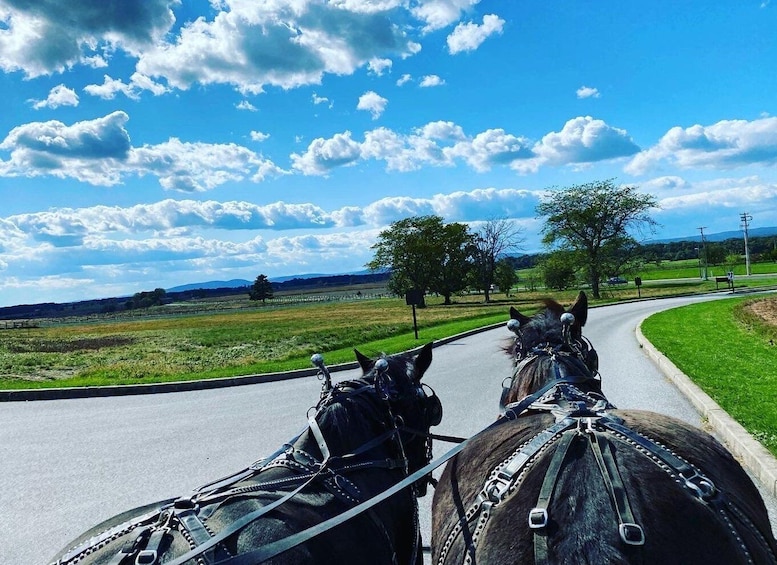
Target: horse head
550,346
413,406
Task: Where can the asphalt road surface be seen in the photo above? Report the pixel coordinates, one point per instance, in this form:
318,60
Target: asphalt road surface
66,465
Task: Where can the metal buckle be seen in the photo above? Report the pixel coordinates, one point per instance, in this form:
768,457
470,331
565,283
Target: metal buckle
146,557
538,518
631,534
700,485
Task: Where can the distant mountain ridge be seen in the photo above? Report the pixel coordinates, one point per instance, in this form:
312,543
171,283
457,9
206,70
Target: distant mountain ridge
720,236
239,283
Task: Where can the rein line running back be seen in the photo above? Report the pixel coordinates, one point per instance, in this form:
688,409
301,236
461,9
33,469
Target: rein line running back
581,415
186,514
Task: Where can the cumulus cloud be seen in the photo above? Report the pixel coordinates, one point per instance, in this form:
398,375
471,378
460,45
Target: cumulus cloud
373,103
259,136
438,14
431,80
443,143
58,96
111,87
725,145
198,167
285,45
469,36
728,193
50,36
404,79
587,92
584,140
99,152
379,66
92,151
323,155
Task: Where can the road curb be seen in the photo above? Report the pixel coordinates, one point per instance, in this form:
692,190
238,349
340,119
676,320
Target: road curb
754,456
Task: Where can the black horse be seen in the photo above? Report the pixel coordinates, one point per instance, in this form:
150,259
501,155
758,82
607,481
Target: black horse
365,435
564,478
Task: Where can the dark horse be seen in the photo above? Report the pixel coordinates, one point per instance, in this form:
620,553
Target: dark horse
565,478
365,436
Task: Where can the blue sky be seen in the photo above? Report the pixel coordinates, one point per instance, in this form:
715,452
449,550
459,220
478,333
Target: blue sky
183,141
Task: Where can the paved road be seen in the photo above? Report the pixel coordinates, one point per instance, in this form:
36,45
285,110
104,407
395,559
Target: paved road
68,464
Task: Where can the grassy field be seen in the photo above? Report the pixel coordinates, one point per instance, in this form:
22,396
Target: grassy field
235,336
730,354
162,347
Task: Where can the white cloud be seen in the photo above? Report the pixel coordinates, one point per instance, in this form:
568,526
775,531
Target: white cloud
58,96
259,136
404,79
111,87
323,155
469,36
490,148
587,92
246,105
373,103
585,140
41,38
99,152
198,167
725,145
379,66
92,151
431,80
321,100
441,13
253,45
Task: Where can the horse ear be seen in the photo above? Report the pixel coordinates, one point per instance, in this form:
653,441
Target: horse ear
516,315
580,309
364,362
422,361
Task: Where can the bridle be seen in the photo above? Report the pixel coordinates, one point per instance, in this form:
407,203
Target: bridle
577,351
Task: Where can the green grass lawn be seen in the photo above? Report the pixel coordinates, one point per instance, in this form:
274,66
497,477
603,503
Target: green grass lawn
729,354
162,348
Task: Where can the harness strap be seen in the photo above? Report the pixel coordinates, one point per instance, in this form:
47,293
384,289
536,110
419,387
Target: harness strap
150,555
239,524
322,446
630,532
129,548
280,546
538,516
515,409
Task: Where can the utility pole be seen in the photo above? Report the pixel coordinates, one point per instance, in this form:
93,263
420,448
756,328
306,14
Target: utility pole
745,217
703,251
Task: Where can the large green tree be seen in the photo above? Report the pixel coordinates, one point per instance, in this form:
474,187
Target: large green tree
261,289
594,220
423,253
493,240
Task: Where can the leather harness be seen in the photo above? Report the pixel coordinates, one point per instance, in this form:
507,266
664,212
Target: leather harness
189,515
581,417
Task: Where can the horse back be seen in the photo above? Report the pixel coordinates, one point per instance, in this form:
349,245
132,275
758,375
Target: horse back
582,522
